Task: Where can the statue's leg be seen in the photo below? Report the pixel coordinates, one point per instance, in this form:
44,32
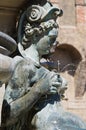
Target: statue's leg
21,124
16,126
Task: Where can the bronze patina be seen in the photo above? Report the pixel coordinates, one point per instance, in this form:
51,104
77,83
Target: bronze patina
33,93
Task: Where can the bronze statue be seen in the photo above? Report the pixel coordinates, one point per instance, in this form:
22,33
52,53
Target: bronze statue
32,90
26,80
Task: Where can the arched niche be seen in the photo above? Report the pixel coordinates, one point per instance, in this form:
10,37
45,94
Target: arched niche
69,57
65,58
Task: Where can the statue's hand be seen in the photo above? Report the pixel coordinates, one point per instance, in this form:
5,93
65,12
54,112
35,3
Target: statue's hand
57,83
51,83
63,87
54,81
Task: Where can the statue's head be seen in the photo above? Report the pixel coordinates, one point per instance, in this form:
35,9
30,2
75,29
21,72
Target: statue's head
38,26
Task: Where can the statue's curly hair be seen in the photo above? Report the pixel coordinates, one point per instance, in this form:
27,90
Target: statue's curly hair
32,31
37,20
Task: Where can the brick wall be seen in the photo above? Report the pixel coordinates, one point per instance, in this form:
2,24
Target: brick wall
72,32
81,11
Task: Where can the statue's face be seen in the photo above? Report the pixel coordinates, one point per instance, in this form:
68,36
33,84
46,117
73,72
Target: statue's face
46,42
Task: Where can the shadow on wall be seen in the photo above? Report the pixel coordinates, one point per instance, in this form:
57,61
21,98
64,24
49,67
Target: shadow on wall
65,58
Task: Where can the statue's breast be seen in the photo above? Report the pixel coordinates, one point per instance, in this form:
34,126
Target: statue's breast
25,75
20,81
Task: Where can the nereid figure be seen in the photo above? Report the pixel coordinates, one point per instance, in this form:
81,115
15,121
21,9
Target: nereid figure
33,93
26,80
32,90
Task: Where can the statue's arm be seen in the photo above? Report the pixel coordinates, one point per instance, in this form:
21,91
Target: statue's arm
6,68
13,110
24,103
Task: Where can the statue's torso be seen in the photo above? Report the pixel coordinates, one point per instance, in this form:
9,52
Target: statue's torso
25,75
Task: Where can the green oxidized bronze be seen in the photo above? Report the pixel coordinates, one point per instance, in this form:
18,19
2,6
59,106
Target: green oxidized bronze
33,93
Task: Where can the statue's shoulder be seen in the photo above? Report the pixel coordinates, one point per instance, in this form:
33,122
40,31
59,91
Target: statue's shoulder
20,62
17,60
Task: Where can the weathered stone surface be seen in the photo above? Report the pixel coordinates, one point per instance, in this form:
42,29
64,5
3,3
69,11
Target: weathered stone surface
8,21
9,10
11,3
81,14
80,80
68,18
80,2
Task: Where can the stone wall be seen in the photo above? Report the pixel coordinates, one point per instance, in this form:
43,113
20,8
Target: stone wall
9,11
